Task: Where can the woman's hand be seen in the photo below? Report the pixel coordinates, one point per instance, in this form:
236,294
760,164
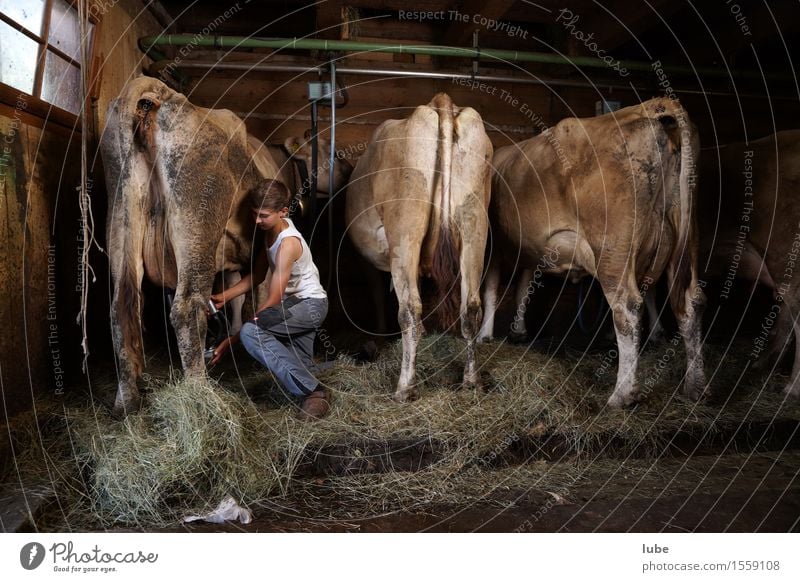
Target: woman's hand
223,348
219,300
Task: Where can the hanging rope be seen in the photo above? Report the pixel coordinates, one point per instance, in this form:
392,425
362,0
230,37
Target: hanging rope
84,195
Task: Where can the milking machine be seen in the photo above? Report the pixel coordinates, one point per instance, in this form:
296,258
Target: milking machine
217,331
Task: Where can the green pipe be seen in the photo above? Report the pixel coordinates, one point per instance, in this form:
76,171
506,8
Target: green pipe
146,43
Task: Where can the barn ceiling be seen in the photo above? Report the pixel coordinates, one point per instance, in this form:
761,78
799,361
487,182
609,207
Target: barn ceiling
743,34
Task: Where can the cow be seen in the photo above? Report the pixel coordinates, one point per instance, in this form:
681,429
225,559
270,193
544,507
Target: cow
416,206
610,197
177,176
300,149
753,232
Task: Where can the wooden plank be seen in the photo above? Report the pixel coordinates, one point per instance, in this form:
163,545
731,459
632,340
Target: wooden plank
459,32
329,20
393,29
420,5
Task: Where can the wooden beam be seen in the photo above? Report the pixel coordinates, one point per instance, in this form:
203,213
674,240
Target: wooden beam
417,5
393,29
546,11
636,17
459,32
329,20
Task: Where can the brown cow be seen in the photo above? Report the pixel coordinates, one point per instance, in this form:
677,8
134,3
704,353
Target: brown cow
611,197
747,199
416,205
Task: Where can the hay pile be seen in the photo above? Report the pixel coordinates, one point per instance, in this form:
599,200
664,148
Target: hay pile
194,443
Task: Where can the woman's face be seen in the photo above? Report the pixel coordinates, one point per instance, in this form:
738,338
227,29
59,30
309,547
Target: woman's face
267,219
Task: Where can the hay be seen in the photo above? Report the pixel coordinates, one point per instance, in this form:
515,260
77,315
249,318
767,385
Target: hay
194,443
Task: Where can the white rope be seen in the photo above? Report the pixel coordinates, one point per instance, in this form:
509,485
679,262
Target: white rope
84,198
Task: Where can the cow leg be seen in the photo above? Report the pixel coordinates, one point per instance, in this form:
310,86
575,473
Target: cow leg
189,320
490,301
779,339
404,275
626,307
195,259
656,333
237,304
690,324
471,266
792,388
519,330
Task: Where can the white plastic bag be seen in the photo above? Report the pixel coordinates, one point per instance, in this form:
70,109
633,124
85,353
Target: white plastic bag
227,510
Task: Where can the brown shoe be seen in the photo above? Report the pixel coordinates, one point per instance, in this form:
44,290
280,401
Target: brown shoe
316,405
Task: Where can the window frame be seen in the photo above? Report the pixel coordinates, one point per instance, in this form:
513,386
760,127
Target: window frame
37,106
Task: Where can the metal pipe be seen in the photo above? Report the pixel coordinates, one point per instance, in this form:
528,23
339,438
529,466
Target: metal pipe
314,159
501,128
242,42
331,171
157,67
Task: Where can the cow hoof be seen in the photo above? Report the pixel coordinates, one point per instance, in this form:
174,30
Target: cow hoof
487,382
123,408
471,384
792,391
620,401
485,339
696,393
406,395
767,362
516,337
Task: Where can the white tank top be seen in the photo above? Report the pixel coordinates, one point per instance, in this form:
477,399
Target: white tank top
304,278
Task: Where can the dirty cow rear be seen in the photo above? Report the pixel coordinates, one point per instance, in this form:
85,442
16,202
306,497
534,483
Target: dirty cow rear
611,197
176,176
416,206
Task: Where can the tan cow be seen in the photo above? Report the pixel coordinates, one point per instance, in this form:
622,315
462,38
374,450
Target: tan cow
611,197
748,201
416,205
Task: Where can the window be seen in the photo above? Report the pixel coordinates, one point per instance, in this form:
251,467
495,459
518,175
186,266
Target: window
40,50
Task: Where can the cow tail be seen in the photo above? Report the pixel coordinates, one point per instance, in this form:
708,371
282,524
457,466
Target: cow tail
684,255
128,316
445,268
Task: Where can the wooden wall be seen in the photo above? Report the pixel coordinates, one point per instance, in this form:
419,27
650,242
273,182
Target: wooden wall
39,167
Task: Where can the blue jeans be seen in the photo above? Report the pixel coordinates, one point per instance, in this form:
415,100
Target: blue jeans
283,340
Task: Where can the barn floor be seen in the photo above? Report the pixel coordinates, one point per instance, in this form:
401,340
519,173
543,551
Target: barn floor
708,493
537,451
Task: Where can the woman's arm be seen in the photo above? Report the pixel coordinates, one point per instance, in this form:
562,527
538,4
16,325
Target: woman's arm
289,251
258,274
